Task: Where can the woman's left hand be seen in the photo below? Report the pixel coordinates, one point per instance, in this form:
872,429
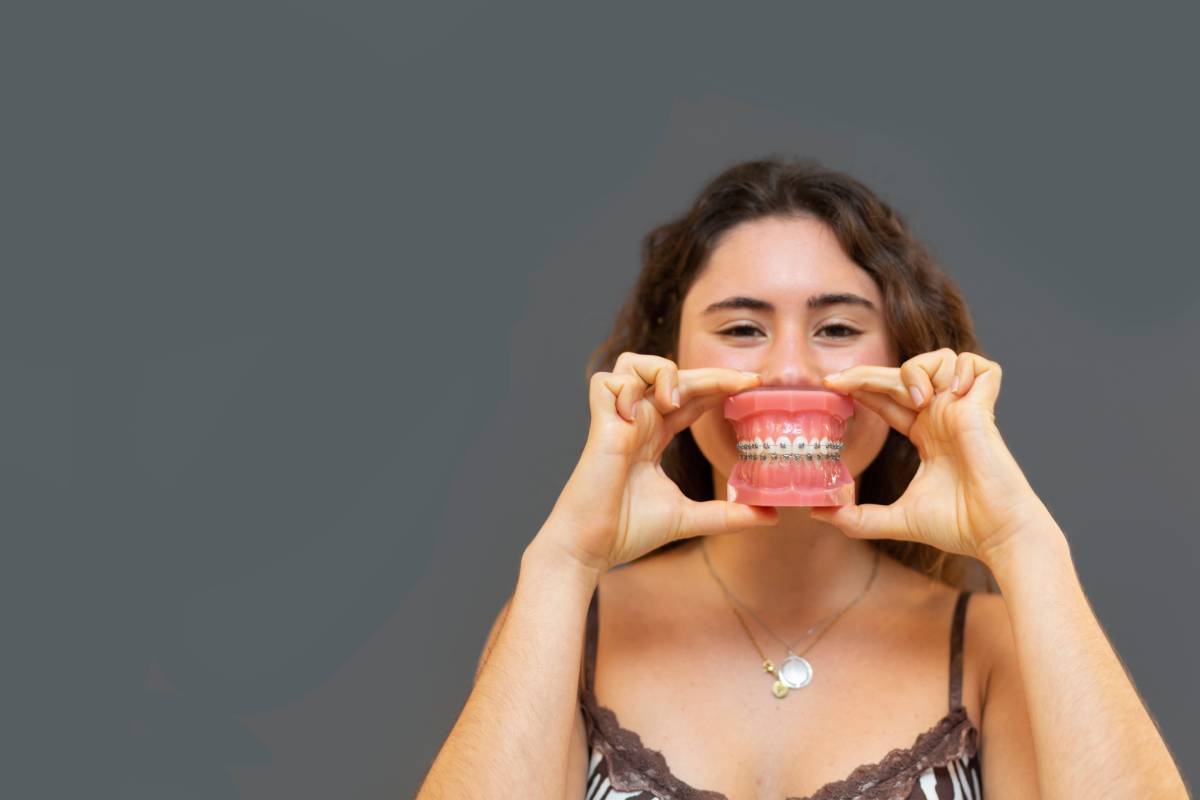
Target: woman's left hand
968,495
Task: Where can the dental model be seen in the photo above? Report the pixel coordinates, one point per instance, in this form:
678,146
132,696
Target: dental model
789,447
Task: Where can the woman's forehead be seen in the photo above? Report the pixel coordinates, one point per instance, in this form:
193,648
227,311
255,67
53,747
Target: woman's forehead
781,261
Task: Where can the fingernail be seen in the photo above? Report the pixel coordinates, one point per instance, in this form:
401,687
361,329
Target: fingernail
833,376
916,394
675,397
750,374
954,384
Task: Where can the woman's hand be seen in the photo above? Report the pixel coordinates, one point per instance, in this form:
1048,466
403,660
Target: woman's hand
619,503
968,495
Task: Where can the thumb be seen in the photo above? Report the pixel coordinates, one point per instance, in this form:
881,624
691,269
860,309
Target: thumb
868,521
722,516
988,383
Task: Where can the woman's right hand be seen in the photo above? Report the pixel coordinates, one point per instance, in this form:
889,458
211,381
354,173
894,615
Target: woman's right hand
619,504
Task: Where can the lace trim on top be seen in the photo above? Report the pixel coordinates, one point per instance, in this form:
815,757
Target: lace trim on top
634,767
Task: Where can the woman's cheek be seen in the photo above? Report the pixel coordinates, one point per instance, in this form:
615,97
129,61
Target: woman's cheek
866,434
716,440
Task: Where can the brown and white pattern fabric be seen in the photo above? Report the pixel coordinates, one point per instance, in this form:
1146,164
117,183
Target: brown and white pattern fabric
943,763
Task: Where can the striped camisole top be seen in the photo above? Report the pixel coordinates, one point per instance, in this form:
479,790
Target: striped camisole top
943,761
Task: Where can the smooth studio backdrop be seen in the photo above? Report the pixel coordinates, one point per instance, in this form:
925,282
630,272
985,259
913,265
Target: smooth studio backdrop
296,299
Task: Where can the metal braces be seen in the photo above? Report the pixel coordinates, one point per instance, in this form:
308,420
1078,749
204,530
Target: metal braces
789,450
784,445
773,457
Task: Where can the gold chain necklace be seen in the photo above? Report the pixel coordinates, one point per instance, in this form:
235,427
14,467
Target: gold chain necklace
795,672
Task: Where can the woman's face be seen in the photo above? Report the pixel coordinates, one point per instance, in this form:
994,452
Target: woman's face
757,305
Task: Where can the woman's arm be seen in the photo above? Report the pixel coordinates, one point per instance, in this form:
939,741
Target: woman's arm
521,729
1092,733
515,730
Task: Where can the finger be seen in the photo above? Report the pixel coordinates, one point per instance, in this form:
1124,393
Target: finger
917,383
870,378
898,416
913,384
602,396
935,368
632,390
710,380
722,516
691,411
943,374
964,372
867,521
985,384
956,383
656,372
611,393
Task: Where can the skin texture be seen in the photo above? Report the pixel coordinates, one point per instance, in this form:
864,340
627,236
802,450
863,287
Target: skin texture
665,610
1058,714
672,661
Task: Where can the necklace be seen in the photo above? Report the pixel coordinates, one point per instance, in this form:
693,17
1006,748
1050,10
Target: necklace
795,672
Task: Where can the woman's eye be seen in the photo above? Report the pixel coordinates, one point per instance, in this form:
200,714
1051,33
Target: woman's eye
744,331
730,331
849,331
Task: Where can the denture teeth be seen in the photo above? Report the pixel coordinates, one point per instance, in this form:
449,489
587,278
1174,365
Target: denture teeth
785,446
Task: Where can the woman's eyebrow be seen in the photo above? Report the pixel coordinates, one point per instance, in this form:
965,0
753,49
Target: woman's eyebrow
816,301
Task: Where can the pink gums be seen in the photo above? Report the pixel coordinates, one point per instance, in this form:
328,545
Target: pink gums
771,472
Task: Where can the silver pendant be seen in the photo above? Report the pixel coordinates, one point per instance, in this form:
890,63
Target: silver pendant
795,671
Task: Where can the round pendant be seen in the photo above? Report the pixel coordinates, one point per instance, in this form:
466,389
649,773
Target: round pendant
795,671
780,689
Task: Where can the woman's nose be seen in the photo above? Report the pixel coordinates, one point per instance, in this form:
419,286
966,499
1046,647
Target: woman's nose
793,367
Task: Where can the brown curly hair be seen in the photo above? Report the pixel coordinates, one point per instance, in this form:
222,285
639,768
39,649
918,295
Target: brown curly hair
923,309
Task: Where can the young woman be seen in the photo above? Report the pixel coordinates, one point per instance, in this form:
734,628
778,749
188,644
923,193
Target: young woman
638,656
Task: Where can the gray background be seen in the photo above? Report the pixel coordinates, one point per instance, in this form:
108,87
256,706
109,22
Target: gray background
296,300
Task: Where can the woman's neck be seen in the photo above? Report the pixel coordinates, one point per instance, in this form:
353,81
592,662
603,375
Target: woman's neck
799,569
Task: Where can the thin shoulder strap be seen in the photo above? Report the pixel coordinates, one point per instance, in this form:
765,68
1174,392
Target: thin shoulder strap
589,645
956,648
